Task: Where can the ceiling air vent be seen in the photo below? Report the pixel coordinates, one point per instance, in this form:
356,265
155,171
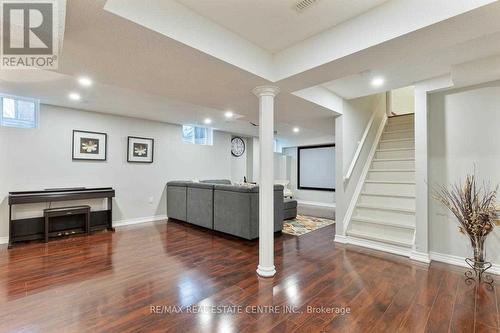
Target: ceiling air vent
304,4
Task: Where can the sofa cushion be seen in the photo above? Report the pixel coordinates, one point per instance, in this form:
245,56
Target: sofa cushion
217,181
200,205
178,183
290,214
201,185
289,204
176,202
244,188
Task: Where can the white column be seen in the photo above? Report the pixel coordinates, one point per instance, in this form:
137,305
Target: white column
421,250
422,89
266,96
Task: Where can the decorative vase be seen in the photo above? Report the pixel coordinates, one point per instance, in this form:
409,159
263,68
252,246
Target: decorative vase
475,210
477,264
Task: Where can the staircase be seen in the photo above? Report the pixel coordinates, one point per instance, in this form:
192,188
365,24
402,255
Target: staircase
384,215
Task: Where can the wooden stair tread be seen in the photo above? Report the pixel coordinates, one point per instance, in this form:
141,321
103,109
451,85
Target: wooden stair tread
392,159
384,223
404,182
392,195
394,149
395,209
380,239
391,170
397,140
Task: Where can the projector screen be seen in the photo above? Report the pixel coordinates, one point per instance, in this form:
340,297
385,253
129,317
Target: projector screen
316,168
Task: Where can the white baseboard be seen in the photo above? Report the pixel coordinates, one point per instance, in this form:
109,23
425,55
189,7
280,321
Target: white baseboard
139,220
420,256
394,249
459,261
4,240
340,239
316,203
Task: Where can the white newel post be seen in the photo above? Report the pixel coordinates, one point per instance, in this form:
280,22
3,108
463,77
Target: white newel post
266,96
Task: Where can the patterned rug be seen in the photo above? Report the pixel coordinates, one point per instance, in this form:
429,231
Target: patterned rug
304,224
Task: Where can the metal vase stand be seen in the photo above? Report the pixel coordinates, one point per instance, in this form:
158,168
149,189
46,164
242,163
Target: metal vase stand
478,265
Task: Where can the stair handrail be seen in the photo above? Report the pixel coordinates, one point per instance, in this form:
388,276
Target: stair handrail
361,143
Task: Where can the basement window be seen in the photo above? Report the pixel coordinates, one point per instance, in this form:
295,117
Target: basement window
20,112
197,135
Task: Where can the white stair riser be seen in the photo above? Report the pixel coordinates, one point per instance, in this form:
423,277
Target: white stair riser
398,135
403,126
400,202
399,120
397,144
392,175
401,189
395,154
385,215
393,164
399,234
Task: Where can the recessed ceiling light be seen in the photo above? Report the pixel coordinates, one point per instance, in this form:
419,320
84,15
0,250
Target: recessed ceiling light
85,81
74,96
228,114
208,121
296,130
378,81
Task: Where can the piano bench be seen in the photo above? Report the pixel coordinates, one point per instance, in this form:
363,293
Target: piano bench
65,211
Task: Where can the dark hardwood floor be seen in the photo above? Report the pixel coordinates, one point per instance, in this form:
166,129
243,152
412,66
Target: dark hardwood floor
109,284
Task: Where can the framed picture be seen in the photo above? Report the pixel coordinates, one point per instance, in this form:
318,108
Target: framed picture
140,150
89,146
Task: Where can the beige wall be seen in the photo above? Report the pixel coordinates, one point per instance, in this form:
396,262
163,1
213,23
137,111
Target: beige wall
402,101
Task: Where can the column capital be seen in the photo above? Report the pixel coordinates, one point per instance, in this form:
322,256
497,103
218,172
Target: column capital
266,91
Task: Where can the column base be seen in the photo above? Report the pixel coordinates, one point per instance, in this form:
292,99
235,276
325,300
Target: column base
420,256
266,271
340,239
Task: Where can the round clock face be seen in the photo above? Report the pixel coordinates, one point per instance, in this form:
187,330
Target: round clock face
237,146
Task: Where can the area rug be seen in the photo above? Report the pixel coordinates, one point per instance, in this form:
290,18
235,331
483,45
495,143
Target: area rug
304,224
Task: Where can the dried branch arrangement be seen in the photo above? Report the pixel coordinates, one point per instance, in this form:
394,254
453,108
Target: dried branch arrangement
473,206
475,210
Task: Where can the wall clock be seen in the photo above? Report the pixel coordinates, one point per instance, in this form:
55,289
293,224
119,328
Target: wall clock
237,146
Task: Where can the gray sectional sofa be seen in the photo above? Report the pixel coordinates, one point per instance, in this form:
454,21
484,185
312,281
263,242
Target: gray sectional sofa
218,205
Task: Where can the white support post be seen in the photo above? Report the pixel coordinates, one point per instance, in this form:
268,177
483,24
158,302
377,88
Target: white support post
422,89
266,96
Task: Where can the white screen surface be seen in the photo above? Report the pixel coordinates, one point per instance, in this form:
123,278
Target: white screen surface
317,167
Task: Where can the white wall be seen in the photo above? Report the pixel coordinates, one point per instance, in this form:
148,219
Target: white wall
239,165
305,195
349,129
463,133
255,160
291,142
34,159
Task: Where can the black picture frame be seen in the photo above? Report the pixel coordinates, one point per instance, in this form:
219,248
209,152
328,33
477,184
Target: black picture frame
129,158
327,145
105,135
